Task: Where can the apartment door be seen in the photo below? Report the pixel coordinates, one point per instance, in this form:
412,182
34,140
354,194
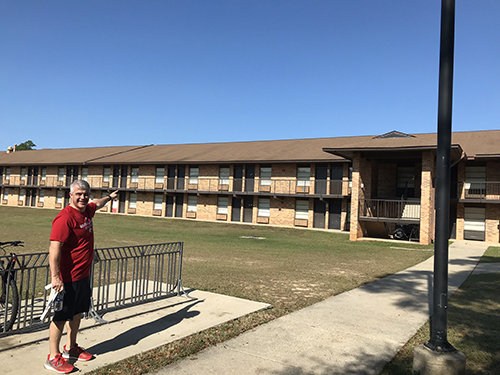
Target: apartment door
121,202
71,175
116,177
336,174
169,212
32,176
179,205
171,178
475,223
247,209
238,179
334,213
320,179
30,197
236,209
181,177
319,214
249,177
124,175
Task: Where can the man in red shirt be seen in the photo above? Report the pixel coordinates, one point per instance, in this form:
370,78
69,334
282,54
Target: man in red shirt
70,256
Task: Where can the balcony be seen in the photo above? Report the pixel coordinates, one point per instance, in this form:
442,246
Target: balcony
397,211
203,185
479,191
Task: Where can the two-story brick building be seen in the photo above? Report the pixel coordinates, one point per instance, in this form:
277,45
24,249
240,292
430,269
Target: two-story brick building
370,185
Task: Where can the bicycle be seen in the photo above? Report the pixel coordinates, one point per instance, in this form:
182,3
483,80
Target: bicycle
9,300
406,232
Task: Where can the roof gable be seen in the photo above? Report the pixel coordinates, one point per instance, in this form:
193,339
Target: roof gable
394,134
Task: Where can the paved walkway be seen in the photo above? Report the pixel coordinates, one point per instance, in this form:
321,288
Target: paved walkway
356,332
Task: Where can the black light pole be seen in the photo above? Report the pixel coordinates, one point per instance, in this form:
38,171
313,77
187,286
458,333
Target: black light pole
439,340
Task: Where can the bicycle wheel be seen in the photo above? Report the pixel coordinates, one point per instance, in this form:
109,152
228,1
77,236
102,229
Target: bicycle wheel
9,306
399,234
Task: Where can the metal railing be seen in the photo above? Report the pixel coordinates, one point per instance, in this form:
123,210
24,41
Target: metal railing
287,186
121,276
390,209
479,190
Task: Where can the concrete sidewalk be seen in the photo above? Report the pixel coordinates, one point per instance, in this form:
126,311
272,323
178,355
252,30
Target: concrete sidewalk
356,332
130,331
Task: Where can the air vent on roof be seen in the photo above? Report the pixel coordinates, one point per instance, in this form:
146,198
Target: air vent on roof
394,134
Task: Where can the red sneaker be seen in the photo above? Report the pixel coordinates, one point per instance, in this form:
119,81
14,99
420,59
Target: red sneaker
59,364
77,353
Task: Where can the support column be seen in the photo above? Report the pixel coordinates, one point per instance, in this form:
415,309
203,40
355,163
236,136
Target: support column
355,230
361,190
427,198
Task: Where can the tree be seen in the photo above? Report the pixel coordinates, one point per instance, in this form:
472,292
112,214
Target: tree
28,145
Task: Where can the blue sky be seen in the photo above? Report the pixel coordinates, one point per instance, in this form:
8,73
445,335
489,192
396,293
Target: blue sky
129,72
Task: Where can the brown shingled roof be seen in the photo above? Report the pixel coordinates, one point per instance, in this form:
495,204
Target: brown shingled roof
477,143
297,150
67,156
474,144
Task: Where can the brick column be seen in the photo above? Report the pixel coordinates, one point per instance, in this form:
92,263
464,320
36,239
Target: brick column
427,194
361,189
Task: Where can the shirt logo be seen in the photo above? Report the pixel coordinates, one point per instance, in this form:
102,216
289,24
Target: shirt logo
87,225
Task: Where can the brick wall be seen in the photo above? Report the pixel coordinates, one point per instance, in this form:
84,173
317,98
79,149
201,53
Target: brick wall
460,220
387,180
492,223
282,212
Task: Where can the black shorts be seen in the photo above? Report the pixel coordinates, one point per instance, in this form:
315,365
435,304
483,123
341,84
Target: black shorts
77,295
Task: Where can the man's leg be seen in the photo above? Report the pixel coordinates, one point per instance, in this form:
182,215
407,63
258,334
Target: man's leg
73,326
55,333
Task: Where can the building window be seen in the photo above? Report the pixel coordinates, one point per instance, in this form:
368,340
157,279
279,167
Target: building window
158,201
7,173
85,173
160,175
192,203
224,176
41,196
22,193
302,209
106,174
222,205
193,175
304,178
132,202
24,172
475,181
60,174
6,194
43,175
265,176
264,207
59,197
134,175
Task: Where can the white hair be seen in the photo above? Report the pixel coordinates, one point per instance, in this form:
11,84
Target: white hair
82,184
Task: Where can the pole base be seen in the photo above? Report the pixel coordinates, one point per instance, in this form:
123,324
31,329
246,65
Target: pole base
430,362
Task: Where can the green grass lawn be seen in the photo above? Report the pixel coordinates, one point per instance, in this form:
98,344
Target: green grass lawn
285,267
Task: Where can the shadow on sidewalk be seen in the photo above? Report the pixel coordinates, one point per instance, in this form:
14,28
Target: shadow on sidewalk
136,334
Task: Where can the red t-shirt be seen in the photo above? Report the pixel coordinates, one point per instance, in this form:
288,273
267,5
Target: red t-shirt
75,230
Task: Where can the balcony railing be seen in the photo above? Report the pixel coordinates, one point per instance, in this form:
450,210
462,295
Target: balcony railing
479,190
384,209
290,186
